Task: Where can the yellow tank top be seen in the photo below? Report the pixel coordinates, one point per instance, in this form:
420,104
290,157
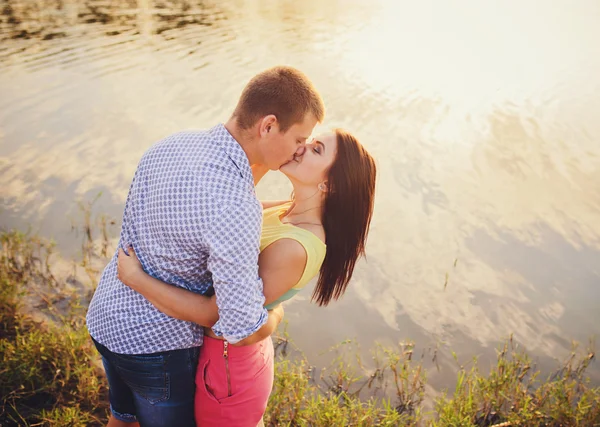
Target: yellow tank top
273,229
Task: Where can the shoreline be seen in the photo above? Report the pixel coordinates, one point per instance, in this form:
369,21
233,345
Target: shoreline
52,372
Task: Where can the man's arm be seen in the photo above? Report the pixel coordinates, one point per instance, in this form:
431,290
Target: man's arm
275,317
233,238
281,266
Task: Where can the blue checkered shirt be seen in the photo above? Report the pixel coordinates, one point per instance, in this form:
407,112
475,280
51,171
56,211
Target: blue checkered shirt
194,221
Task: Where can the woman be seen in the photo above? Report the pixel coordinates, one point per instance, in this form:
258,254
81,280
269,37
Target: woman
323,230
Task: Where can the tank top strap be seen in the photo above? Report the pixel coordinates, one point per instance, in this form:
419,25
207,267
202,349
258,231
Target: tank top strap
315,251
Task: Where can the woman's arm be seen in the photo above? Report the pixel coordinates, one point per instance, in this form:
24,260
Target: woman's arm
281,266
171,300
266,204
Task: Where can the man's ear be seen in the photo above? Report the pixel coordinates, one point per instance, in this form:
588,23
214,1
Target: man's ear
268,124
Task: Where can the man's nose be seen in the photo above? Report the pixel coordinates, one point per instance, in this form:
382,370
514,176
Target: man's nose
300,151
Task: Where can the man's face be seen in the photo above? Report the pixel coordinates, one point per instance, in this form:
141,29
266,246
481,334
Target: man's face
279,148
312,167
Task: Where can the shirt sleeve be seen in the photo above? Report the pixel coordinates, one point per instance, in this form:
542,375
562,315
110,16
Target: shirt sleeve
233,241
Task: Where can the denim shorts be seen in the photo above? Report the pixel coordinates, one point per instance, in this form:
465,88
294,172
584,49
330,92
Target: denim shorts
155,389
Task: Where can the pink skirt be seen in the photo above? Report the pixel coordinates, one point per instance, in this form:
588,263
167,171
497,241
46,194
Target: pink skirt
233,384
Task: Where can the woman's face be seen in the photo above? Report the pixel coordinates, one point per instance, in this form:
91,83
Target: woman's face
311,168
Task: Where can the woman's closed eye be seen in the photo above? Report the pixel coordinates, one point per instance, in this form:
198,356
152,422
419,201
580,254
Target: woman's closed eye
318,146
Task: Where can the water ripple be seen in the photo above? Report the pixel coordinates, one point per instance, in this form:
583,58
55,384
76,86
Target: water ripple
487,141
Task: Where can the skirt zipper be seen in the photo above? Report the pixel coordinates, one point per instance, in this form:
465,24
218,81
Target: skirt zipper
226,357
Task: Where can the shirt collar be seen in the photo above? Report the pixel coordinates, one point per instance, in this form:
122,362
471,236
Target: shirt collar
234,151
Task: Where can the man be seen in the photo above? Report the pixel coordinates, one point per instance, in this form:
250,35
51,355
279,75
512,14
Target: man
193,219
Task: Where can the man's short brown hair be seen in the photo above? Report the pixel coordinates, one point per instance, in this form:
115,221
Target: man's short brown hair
282,91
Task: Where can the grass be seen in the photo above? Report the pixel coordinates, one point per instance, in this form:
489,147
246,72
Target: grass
50,373
514,394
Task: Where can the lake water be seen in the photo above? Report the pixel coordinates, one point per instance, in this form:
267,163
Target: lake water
483,117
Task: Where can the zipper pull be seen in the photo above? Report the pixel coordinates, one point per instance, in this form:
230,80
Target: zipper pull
225,349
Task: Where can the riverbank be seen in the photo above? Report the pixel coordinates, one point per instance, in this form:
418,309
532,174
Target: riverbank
51,373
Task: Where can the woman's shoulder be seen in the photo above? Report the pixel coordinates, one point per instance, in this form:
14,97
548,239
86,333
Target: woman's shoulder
286,251
303,250
316,230
304,243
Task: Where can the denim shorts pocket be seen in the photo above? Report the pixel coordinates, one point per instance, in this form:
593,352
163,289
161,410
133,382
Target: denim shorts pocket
146,375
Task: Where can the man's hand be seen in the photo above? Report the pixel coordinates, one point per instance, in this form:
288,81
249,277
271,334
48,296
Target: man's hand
275,317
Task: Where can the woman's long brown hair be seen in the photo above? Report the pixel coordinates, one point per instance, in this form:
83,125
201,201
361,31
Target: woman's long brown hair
347,212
